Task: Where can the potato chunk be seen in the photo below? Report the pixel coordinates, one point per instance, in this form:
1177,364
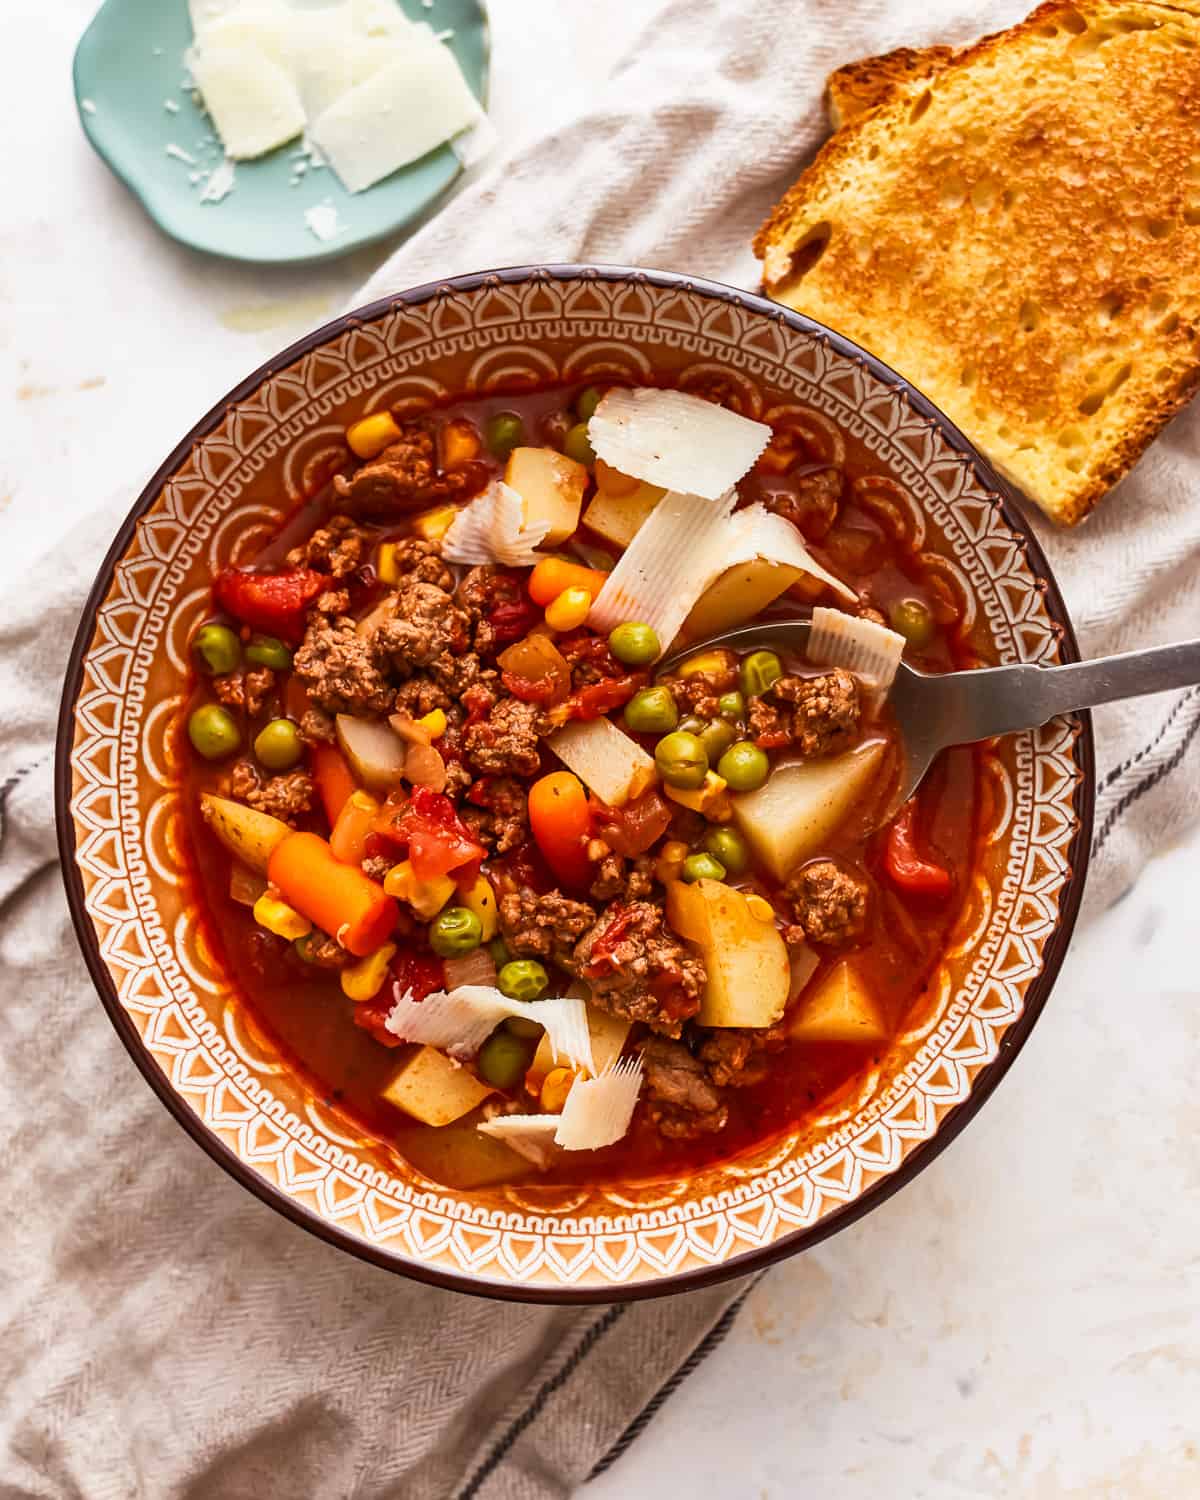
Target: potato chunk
747,962
252,836
839,1009
800,805
551,486
618,518
737,596
434,1090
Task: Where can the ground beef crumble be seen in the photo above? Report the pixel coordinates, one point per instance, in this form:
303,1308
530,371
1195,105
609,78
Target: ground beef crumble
616,877
338,667
420,624
826,711
544,926
404,476
682,1101
285,796
497,813
812,504
639,969
317,727
830,904
338,548
700,692
506,742
248,689
737,1057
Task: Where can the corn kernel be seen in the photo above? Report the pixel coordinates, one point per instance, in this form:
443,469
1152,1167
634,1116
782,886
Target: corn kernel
280,918
670,861
481,899
758,906
363,980
434,723
710,799
718,660
434,524
460,443
426,897
570,610
555,1087
369,436
385,564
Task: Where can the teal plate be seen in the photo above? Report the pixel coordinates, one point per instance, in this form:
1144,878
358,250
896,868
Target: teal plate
130,60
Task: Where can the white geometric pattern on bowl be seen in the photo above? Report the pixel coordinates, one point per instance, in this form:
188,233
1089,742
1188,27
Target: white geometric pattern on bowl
226,493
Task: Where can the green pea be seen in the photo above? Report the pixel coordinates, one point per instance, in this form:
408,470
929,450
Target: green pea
701,867
717,738
635,645
913,621
503,1060
587,401
578,445
744,766
651,711
682,760
522,979
278,745
731,706
503,432
498,948
454,932
727,845
758,671
529,1031
266,651
217,649
213,732
693,724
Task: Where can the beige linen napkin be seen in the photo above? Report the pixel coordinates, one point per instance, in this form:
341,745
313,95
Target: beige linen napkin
166,1335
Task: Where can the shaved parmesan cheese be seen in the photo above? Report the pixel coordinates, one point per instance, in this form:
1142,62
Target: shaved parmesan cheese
675,440
666,567
757,532
251,98
870,651
322,219
396,116
531,1136
598,1110
219,184
608,762
492,530
461,1021
267,27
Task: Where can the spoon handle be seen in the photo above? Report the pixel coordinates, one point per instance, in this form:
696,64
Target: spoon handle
1005,699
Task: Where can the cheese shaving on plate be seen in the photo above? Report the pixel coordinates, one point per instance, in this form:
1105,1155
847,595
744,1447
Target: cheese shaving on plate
530,1136
675,440
492,530
461,1020
869,650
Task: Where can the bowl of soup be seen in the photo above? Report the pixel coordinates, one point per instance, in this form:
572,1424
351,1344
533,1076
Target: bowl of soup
455,895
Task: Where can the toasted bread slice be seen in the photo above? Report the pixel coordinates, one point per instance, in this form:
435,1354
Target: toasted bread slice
860,86
1018,233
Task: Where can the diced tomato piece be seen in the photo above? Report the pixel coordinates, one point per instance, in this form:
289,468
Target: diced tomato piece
598,698
634,828
528,690
426,825
905,866
271,602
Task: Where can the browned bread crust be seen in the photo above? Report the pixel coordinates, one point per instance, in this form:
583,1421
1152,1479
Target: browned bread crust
1017,230
860,86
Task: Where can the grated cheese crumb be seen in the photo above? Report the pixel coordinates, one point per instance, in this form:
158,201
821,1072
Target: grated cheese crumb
171,107
88,106
180,154
220,183
322,219
444,36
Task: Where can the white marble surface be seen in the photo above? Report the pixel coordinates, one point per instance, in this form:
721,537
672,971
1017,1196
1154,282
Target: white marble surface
1024,1319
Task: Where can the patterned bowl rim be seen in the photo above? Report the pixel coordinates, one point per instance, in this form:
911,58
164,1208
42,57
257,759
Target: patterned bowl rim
924,1152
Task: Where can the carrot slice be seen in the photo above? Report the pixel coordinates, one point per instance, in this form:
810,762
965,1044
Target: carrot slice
561,822
338,898
554,574
334,778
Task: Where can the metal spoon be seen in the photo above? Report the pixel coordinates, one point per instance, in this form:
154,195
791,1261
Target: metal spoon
937,709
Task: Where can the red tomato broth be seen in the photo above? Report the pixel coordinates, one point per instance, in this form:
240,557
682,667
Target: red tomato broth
307,1017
